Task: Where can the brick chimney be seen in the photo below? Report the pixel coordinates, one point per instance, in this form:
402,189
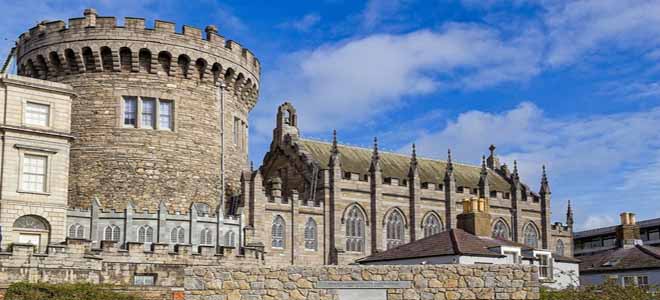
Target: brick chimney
475,218
627,234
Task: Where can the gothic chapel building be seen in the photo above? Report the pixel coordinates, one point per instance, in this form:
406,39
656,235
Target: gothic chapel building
327,203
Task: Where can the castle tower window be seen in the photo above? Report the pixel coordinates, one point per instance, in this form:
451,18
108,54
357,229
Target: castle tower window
111,233
125,59
88,59
37,114
531,236
559,248
34,175
148,113
71,61
130,111
106,59
184,65
178,236
165,116
145,60
395,232
145,234
311,240
206,237
277,233
230,239
432,225
165,61
355,230
501,230
76,231
56,63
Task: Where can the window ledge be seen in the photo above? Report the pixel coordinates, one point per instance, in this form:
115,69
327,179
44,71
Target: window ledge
33,193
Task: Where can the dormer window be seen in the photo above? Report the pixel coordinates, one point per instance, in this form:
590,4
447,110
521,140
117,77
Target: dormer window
37,114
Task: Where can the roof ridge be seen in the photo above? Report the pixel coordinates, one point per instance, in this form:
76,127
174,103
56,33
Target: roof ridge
390,152
644,249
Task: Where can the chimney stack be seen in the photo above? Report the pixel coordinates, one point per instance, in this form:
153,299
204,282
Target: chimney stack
627,234
475,218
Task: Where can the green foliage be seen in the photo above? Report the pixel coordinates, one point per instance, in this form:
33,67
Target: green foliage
603,292
66,291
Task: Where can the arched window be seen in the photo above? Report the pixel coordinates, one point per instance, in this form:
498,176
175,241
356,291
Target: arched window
206,237
216,70
106,59
559,248
277,233
30,222
184,65
230,239
71,61
111,233
88,59
432,225
531,236
501,230
355,230
125,59
165,62
56,63
145,60
76,231
42,67
395,231
200,65
310,235
145,234
178,236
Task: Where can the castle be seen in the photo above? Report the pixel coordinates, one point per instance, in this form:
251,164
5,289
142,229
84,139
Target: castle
138,137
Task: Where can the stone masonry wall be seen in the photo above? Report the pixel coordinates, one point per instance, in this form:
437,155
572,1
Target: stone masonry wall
433,282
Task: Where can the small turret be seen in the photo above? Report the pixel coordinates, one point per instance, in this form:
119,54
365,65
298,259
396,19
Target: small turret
493,162
375,158
287,123
484,190
334,153
545,186
569,215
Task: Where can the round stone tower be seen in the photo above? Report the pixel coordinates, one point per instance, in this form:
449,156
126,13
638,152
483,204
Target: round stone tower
149,107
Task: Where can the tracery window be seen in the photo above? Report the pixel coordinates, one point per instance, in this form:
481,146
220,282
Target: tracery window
76,231
500,230
206,237
277,233
111,233
432,225
178,235
310,235
395,230
531,236
145,234
355,230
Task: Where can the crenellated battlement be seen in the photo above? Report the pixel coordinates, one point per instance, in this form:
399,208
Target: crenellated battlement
95,44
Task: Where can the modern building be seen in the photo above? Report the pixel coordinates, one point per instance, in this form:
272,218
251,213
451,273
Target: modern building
471,243
626,261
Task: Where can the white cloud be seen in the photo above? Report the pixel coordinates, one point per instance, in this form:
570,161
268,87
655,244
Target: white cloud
357,79
377,11
596,221
303,24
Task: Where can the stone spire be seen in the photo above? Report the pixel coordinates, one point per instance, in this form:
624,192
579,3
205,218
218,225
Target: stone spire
484,190
375,157
334,153
515,176
493,162
569,215
450,165
413,158
545,186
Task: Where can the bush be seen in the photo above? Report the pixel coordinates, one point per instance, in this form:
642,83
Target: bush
603,292
66,291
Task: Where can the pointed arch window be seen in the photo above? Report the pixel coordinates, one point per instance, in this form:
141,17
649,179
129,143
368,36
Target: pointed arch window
206,237
395,231
311,241
559,248
230,239
178,235
501,230
277,233
355,230
432,225
145,234
111,233
76,231
531,236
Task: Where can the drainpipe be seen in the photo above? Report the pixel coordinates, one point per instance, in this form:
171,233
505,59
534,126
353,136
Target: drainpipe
220,214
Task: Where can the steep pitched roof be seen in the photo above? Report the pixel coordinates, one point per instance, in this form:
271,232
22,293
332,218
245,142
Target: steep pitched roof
446,243
358,160
638,257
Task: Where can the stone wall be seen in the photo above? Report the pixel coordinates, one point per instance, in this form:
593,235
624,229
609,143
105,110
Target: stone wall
437,282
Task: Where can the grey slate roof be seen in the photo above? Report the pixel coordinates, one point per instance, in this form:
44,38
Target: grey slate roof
358,160
637,257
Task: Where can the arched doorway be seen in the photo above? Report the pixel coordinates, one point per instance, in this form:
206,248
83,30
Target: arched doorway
32,229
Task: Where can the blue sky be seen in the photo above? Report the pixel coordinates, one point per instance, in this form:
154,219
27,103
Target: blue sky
570,84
